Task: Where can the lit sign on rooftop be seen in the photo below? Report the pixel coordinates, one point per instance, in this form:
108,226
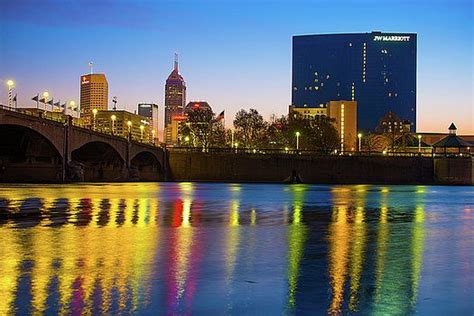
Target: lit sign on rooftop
391,38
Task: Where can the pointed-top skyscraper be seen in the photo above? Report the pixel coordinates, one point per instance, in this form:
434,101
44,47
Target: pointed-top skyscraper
175,99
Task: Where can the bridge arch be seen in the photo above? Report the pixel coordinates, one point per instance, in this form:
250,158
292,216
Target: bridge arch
27,155
146,166
97,161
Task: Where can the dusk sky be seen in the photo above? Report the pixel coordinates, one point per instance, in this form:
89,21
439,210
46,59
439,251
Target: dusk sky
234,54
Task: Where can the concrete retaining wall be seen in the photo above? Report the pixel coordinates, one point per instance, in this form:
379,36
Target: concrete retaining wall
458,171
185,166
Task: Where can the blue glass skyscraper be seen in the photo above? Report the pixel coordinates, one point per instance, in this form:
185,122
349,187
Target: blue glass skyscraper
378,70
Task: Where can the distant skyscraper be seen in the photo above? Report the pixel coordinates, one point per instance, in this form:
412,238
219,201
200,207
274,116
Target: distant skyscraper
150,111
378,70
94,95
175,99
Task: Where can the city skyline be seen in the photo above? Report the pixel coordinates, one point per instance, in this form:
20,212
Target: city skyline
224,66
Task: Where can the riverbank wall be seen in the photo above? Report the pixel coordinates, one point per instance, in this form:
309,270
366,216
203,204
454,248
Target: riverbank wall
236,167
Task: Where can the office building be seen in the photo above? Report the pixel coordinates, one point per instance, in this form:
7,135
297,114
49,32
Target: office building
203,105
344,114
94,95
175,99
150,111
344,117
124,124
307,113
378,70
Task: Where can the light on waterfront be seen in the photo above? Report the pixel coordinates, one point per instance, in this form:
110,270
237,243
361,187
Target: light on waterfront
419,143
298,140
359,136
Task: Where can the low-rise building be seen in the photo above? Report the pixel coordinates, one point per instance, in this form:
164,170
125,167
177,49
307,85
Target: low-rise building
124,124
344,115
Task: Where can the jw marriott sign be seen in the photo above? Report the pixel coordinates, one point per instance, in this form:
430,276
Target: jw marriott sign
391,38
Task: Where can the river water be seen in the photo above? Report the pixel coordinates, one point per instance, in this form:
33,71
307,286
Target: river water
188,248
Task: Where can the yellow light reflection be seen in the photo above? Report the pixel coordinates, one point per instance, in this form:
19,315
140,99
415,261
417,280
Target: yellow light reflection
339,241
118,260
359,240
296,242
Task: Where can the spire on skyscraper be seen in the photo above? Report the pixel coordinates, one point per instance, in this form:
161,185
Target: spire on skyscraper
176,61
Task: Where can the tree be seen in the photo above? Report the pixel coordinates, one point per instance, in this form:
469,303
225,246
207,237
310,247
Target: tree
250,128
317,134
202,129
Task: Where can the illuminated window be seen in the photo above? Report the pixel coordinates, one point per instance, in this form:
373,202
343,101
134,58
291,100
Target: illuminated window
316,88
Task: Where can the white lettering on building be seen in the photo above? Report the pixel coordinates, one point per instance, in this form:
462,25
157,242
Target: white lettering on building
391,38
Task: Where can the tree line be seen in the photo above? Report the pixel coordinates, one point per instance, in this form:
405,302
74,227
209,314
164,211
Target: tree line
251,131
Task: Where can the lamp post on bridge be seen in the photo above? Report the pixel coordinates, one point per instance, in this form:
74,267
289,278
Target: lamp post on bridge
11,85
113,118
94,113
142,128
45,98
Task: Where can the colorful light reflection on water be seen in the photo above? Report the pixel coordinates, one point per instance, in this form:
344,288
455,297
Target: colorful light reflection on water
181,248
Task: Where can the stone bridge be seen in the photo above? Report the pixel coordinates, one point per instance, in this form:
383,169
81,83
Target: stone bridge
37,149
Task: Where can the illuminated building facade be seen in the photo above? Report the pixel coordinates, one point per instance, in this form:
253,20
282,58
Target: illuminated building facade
94,95
175,99
116,122
378,70
344,114
150,111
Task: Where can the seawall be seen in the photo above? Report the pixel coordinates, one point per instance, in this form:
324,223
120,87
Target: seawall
192,166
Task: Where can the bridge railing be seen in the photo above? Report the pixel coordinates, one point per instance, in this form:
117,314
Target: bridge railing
62,118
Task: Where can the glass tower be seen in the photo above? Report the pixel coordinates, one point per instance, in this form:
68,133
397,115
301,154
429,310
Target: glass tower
378,70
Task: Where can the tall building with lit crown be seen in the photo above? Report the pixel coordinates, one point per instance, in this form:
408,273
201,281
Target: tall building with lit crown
175,99
94,95
378,70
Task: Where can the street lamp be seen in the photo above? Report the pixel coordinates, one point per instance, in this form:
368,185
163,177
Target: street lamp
11,85
45,97
141,132
359,136
94,112
419,143
297,140
113,118
129,124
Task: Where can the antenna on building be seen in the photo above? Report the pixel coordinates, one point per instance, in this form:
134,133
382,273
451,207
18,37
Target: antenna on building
91,67
114,100
176,61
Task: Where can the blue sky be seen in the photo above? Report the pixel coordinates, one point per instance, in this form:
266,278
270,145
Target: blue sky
234,54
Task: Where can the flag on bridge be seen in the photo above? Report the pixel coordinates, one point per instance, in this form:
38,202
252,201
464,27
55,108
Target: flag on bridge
43,100
58,104
63,105
35,98
51,102
220,117
14,98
